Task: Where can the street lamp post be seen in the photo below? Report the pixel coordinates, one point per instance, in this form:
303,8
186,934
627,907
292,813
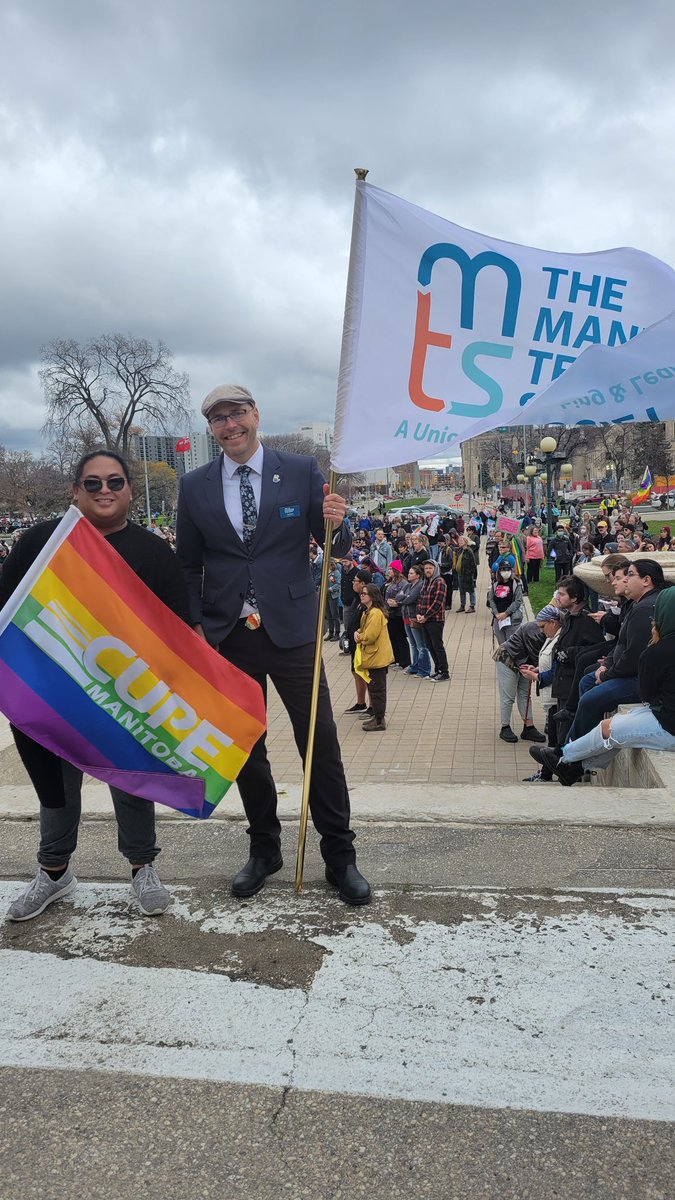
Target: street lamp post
547,456
566,472
521,479
548,449
531,471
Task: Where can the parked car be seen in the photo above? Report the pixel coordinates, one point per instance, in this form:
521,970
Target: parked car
429,506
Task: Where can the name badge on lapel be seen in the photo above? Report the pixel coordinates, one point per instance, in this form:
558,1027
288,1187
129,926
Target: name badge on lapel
289,510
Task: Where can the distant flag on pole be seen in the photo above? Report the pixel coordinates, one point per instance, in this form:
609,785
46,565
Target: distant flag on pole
183,445
97,669
645,488
449,333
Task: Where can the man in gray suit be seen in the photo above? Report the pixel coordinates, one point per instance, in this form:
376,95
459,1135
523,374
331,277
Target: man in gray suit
242,534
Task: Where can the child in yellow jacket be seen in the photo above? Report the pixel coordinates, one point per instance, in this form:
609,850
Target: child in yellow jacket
375,654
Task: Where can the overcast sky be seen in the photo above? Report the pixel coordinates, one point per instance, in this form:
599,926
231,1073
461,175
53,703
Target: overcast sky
184,170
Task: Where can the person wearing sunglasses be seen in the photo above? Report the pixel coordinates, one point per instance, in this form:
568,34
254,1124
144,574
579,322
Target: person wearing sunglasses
102,491
242,531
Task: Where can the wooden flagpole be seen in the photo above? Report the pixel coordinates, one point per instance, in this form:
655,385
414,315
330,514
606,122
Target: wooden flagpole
360,173
314,702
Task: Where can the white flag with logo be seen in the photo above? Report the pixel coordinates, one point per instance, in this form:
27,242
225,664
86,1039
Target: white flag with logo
449,333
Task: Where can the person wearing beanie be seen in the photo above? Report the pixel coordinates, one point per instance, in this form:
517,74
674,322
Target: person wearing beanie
431,616
514,658
397,634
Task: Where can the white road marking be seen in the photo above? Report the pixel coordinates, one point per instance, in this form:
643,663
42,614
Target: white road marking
565,1013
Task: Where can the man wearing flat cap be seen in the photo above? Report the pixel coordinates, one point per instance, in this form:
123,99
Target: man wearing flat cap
242,537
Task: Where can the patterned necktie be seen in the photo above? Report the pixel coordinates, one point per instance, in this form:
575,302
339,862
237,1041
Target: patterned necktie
249,512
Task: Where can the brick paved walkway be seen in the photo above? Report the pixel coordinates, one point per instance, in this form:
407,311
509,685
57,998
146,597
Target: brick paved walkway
436,732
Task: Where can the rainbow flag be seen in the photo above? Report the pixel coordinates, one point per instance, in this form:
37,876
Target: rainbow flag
517,551
645,487
97,669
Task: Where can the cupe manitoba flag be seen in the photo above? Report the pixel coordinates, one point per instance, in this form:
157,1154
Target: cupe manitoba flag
449,333
97,669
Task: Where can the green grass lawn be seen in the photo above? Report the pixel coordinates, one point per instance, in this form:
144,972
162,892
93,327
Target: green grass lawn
409,502
540,593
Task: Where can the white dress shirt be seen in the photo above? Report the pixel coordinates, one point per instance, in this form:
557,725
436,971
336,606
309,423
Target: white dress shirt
231,487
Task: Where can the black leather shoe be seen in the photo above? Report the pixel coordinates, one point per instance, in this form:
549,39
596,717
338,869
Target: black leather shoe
351,885
252,877
568,773
537,753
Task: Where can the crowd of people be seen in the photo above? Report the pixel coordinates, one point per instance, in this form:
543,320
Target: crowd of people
586,657
388,598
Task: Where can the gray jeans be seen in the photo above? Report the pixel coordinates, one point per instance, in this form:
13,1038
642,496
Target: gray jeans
58,826
512,688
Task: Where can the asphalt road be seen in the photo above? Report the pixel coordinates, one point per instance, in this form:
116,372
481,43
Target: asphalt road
497,1024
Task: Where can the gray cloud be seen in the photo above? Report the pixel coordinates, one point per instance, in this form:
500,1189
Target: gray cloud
185,171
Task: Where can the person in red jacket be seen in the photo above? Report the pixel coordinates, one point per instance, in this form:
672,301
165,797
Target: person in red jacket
431,615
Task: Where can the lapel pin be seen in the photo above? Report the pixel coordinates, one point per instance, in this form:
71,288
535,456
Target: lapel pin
276,479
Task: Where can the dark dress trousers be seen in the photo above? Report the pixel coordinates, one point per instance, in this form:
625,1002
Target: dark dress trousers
218,567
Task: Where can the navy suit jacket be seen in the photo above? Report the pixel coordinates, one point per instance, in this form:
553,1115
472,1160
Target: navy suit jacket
217,564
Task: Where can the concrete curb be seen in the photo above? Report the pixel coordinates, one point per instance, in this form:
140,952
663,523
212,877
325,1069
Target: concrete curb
534,804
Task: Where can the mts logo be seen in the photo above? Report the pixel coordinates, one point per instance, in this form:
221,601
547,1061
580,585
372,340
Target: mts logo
468,269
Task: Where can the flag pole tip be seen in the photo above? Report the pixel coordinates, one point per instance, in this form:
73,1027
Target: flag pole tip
361,172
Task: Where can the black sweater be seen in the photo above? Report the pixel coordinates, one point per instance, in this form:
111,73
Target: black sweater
579,632
149,556
657,681
623,661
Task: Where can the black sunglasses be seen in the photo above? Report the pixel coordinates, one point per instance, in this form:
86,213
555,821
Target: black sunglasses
93,484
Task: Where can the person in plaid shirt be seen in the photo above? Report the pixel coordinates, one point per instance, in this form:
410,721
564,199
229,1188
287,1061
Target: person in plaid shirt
431,615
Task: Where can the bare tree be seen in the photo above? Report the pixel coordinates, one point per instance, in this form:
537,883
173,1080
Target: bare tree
107,385
30,485
66,448
617,441
291,443
649,447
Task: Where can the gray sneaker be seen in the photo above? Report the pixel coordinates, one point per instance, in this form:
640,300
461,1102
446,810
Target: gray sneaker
153,898
41,891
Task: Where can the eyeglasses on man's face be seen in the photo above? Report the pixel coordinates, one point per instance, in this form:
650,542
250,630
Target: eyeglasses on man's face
235,414
93,484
